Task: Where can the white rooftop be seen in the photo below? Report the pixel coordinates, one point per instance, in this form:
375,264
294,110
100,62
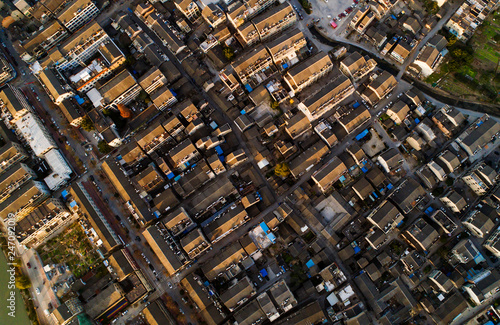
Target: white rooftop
86,73
95,97
61,171
35,134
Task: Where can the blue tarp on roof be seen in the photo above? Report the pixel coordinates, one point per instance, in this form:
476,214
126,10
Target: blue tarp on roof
271,237
206,283
375,195
364,170
243,112
342,178
213,125
170,176
219,151
247,86
157,214
73,204
357,249
310,263
428,211
362,135
264,226
177,178
417,121
285,65
173,92
79,100
394,17
64,194
356,105
389,186
263,272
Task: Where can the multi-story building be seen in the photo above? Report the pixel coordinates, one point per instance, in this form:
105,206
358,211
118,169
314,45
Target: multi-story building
34,131
163,98
420,235
330,95
284,49
5,70
252,63
355,66
483,131
122,89
70,111
493,243
213,15
468,17
78,49
481,221
274,20
248,34
400,52
43,41
166,35
152,80
13,103
77,13
41,224
379,88
239,12
86,78
481,178
24,200
54,86
427,60
14,179
11,154
358,16
307,72
188,8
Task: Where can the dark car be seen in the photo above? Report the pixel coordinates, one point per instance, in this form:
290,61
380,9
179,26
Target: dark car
138,238
92,178
117,218
29,265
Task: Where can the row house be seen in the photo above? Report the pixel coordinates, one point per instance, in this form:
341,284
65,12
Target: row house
252,63
240,12
355,66
284,49
274,20
78,13
307,72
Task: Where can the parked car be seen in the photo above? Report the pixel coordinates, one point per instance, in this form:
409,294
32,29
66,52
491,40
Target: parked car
37,290
29,265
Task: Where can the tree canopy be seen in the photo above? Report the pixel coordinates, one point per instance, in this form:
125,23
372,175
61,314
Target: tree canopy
87,124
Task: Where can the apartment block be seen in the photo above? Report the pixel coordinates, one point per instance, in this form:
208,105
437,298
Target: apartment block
239,12
328,97
152,80
40,43
307,72
252,64
13,102
213,15
248,34
478,135
24,200
55,86
77,13
76,50
274,20
493,243
122,89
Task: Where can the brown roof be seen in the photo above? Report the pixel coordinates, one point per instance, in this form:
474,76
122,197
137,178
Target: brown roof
273,16
285,41
383,82
328,93
329,173
252,56
117,86
308,158
354,61
309,67
182,150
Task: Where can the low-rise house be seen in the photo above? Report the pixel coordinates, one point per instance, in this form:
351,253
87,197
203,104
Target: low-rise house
379,88
481,221
420,235
477,136
329,174
385,217
355,66
235,158
308,159
248,34
398,111
177,221
425,130
284,49
440,281
468,17
465,251
297,125
400,52
252,63
358,16
194,243
365,22
352,118
411,24
454,201
390,159
330,95
448,119
163,98
225,224
182,153
213,15
307,72
427,60
363,189
449,160
238,294
71,112
438,171
484,288
324,131
481,178
408,195
226,260
152,80
376,37
188,8
442,219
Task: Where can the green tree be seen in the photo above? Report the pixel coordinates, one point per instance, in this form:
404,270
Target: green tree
432,7
282,170
87,124
23,282
228,53
496,37
104,147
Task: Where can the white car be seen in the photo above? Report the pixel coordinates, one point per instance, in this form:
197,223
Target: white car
170,285
37,290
